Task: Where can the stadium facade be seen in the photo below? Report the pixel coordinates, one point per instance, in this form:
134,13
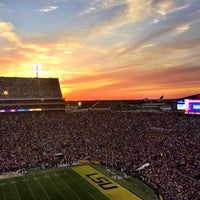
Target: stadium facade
30,94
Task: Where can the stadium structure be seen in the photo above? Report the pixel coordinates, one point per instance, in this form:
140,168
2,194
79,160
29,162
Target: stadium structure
30,94
144,144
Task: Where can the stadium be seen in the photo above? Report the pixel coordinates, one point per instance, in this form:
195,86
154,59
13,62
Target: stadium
54,149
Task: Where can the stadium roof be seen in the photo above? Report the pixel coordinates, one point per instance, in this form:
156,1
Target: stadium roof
196,96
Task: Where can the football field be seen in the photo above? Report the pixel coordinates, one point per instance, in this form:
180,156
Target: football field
79,182
54,184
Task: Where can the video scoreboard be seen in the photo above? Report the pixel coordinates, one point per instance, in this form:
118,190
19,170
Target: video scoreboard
189,106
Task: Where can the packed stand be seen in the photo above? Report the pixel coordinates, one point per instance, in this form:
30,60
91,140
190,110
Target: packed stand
116,139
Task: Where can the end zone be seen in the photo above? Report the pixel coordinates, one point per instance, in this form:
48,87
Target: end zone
106,185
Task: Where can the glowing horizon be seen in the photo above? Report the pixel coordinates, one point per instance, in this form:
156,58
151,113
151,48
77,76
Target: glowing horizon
104,49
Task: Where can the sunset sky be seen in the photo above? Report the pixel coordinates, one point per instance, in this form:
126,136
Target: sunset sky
104,49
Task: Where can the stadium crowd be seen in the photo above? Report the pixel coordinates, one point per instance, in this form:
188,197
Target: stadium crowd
116,139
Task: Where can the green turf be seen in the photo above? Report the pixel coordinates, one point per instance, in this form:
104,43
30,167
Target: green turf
56,184
63,183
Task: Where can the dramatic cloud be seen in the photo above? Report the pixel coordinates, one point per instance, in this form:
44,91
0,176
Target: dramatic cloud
105,49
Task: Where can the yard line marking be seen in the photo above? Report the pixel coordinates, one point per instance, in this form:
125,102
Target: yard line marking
35,178
14,182
56,187
74,180
2,185
68,187
30,190
43,189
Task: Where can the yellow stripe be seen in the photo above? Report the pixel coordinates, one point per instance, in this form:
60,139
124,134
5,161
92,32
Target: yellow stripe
106,185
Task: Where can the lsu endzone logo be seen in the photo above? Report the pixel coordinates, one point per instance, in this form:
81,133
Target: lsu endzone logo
101,181
106,185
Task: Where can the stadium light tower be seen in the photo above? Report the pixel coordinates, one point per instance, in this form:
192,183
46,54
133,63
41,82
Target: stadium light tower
37,68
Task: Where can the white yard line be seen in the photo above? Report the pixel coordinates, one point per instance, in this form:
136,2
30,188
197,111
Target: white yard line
30,190
55,187
4,195
36,178
81,186
14,182
68,187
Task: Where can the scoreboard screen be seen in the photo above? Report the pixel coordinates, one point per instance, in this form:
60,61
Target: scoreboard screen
189,106
192,106
181,104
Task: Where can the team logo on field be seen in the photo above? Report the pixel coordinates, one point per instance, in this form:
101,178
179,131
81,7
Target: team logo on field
101,181
105,184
